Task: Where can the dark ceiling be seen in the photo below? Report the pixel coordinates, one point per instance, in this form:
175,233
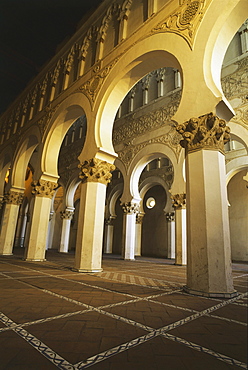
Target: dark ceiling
30,32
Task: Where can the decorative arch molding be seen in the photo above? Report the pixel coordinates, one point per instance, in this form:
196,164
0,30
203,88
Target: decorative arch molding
112,199
70,190
120,166
22,156
234,166
222,27
113,10
67,113
239,133
147,184
146,155
5,163
136,62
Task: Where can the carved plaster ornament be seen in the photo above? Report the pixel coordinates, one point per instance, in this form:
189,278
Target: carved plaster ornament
170,216
184,21
130,208
178,200
96,170
92,87
110,220
204,132
43,188
139,218
67,214
13,197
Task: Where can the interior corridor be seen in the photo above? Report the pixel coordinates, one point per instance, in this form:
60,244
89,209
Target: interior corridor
133,315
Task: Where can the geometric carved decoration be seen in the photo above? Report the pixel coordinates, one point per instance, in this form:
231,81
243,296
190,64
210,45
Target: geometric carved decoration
184,21
178,200
96,170
130,208
13,197
204,132
43,188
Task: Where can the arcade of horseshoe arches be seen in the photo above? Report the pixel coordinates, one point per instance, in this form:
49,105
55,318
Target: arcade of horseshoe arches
133,140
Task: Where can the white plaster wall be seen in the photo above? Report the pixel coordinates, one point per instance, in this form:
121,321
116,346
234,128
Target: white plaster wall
238,215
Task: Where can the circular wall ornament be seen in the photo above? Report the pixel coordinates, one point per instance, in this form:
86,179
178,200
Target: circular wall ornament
150,203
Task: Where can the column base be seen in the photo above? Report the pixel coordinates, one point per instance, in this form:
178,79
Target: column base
34,260
209,294
87,270
127,259
6,254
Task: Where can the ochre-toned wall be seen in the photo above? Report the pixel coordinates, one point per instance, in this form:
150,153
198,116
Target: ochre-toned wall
238,214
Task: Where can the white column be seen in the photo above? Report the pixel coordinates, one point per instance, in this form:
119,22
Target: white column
138,234
171,234
66,217
129,230
209,270
40,212
95,175
179,204
109,234
12,201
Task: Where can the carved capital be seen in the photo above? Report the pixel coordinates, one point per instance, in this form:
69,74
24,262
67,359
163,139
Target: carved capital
130,208
170,216
43,188
95,170
67,214
13,197
204,132
178,200
139,218
109,221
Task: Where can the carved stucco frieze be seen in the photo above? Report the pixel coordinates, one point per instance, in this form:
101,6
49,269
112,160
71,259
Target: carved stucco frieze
13,197
184,21
165,173
235,85
43,188
205,132
130,208
96,170
92,87
45,120
134,127
67,214
171,139
178,200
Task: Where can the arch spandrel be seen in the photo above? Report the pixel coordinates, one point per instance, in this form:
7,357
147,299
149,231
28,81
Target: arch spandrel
146,155
22,156
67,113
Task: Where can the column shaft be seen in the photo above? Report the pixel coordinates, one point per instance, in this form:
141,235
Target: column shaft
129,226
8,229
90,227
40,213
209,251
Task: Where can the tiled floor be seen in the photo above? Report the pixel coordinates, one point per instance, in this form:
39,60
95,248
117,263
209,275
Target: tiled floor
132,316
